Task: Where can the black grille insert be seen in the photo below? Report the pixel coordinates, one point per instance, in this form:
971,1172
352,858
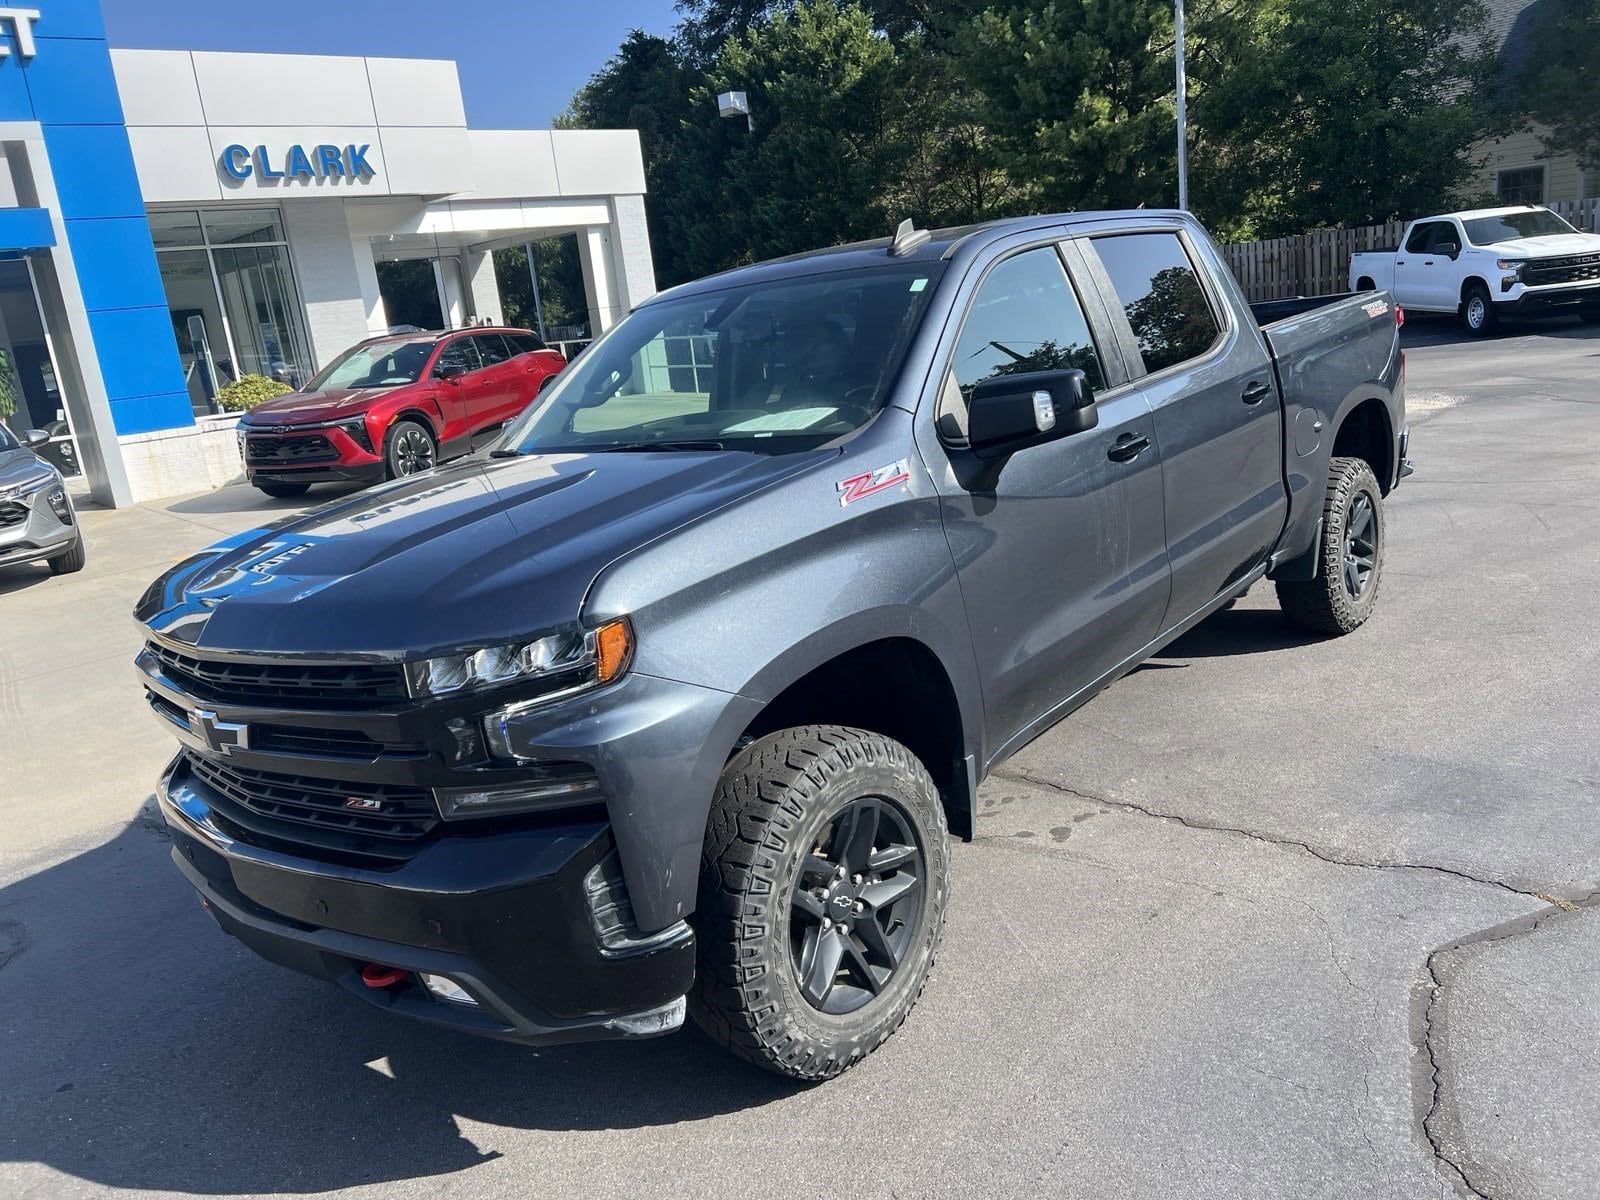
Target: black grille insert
284,685
1580,268
12,513
308,447
392,812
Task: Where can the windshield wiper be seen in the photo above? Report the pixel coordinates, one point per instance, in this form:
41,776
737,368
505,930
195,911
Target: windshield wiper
662,445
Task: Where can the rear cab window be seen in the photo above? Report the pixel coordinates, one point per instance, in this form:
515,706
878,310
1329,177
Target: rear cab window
1161,294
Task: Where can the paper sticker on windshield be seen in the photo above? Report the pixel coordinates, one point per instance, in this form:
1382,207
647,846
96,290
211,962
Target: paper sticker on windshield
1376,309
859,487
794,418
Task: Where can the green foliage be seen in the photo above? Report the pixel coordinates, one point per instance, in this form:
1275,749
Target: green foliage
560,284
1559,83
1346,115
9,390
247,391
953,111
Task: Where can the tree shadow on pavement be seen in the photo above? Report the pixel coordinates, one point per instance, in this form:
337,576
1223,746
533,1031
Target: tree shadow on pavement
143,1048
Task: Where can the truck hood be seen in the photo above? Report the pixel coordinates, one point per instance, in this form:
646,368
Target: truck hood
477,552
1555,245
20,466
305,408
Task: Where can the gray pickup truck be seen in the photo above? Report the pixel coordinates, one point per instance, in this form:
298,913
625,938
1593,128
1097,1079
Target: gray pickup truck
670,703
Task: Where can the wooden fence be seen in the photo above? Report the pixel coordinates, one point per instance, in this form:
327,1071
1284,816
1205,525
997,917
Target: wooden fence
1318,263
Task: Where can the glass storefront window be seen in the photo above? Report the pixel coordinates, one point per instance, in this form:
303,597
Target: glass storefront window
235,310
30,397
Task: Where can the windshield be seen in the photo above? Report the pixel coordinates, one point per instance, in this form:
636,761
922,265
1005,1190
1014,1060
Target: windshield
1540,222
8,440
382,364
772,367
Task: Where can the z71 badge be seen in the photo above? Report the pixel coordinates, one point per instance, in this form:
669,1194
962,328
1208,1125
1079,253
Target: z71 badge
859,487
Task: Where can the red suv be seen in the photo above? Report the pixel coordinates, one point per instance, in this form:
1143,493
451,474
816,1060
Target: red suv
394,406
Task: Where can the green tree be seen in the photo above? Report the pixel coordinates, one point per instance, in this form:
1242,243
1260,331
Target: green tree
1559,84
1346,114
560,284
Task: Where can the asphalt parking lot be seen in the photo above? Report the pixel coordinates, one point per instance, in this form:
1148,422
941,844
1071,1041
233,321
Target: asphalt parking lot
1271,917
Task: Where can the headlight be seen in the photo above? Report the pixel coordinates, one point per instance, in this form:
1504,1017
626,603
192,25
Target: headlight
1513,265
57,500
573,657
356,427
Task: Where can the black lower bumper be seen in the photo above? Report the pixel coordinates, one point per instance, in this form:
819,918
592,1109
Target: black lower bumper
329,473
1552,301
507,918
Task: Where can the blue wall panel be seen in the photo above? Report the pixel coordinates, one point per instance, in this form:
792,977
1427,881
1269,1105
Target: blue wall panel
26,229
15,104
138,354
142,414
116,267
69,19
71,83
93,167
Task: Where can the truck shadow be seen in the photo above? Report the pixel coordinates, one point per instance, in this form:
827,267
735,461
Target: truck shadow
145,1049
1238,631
1430,329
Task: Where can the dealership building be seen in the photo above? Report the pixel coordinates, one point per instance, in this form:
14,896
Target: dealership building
171,220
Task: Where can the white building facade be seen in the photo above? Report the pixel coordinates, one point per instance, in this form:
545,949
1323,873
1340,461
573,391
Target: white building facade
269,188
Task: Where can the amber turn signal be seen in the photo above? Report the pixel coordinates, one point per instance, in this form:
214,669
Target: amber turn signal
613,643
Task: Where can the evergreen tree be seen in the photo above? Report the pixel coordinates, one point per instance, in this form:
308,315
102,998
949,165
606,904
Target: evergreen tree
1559,84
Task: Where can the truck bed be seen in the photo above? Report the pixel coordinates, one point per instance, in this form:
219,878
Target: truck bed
1269,312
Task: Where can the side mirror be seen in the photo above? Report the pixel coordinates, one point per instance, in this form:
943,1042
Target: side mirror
1011,412
1448,249
449,371
34,438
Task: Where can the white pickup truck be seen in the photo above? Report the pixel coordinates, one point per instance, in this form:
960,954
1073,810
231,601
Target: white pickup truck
1488,263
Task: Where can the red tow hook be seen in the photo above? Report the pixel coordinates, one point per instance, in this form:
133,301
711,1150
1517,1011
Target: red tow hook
376,975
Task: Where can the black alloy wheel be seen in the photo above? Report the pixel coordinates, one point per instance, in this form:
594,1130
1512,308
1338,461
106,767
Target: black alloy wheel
411,450
854,905
1360,545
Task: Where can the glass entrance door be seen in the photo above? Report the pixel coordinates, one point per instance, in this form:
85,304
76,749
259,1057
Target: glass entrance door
30,392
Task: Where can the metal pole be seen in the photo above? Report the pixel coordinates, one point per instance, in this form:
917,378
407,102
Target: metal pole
538,305
1183,105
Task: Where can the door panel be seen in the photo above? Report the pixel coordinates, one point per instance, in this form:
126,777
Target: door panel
1213,397
1061,557
1424,279
455,395
503,380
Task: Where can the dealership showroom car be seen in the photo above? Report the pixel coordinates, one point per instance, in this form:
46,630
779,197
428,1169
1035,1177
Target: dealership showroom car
36,517
392,406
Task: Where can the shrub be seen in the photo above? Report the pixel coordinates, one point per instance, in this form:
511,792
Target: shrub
248,391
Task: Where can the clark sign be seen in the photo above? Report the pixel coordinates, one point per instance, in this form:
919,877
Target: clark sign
297,162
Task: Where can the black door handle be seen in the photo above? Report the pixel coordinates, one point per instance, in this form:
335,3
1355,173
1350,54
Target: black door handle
1128,447
1256,392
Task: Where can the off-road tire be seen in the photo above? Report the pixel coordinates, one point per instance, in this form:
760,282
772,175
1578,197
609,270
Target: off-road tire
72,560
775,798
284,491
1490,320
1325,604
396,443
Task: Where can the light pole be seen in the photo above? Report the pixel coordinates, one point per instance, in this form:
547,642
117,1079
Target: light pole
1183,144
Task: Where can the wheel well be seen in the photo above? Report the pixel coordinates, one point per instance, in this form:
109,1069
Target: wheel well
895,687
1466,286
412,414
1366,284
1365,434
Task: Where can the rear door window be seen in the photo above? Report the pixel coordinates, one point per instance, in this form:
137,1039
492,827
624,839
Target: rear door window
458,353
493,348
523,343
1161,293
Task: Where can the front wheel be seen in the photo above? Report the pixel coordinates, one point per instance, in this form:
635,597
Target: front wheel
409,449
823,885
1351,559
73,560
1477,311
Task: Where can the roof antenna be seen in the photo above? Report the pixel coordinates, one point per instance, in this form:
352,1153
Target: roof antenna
907,238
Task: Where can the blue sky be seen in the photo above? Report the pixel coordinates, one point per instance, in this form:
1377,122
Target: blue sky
520,60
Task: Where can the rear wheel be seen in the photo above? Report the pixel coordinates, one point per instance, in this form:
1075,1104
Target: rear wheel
284,491
1346,587
409,449
72,560
822,892
1477,311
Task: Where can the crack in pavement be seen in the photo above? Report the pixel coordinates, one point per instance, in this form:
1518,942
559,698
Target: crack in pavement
1546,897
1426,1086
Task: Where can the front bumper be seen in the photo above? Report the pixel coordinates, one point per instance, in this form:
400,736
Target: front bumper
308,454
39,533
509,917
1544,301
